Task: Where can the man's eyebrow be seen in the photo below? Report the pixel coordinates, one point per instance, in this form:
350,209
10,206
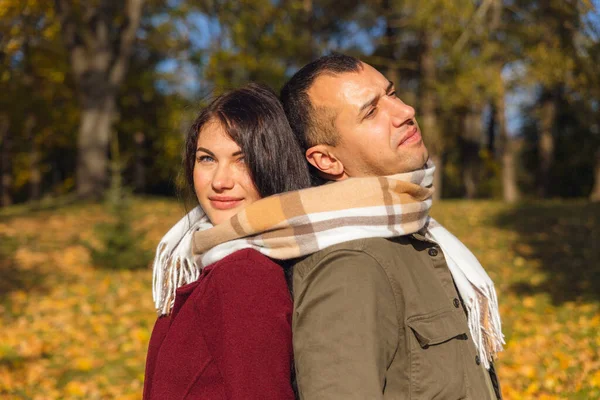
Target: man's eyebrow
389,87
369,103
376,98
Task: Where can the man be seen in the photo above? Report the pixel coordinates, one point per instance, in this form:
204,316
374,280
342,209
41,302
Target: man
379,318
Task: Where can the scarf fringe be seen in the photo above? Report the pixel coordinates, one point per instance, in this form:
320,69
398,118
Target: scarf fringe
169,274
485,326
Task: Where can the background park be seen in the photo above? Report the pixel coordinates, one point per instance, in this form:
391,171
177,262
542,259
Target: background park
96,97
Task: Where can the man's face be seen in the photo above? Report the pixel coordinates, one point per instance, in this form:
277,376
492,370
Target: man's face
378,133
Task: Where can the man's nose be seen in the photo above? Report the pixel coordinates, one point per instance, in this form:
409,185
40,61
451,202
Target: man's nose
223,178
402,112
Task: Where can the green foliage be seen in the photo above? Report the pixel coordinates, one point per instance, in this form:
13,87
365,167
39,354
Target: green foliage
481,50
259,41
491,182
37,96
120,247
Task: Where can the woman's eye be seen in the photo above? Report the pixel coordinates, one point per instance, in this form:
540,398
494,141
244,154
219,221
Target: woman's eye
205,159
392,94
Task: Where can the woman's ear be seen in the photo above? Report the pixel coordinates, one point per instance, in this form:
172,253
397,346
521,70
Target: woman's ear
322,158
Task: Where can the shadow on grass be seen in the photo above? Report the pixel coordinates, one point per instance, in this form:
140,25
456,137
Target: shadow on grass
565,238
45,204
13,278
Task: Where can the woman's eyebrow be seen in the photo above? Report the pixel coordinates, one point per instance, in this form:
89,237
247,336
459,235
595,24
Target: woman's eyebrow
207,151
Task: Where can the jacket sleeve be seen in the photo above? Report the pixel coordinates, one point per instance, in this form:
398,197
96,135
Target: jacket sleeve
255,352
345,328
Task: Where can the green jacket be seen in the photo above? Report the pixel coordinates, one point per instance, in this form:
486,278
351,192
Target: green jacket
382,319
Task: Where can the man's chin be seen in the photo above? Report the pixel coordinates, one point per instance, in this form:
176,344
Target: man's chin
425,157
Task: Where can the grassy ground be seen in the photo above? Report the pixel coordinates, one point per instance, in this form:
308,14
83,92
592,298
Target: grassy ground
69,330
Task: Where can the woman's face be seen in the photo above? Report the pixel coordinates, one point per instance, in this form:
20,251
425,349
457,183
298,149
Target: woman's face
221,178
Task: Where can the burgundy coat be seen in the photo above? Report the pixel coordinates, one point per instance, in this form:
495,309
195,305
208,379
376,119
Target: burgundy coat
229,335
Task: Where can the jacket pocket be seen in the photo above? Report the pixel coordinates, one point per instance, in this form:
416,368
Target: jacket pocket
437,342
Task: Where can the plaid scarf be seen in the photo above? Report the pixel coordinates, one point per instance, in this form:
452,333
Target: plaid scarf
299,223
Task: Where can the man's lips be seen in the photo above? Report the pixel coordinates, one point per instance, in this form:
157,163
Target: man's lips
412,136
225,203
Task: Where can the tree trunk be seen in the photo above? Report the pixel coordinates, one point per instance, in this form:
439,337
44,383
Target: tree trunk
35,175
510,189
99,45
5,162
471,144
92,147
595,195
139,179
546,142
431,134
492,127
29,132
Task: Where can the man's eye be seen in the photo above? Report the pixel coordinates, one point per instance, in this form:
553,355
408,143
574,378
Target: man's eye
371,113
392,93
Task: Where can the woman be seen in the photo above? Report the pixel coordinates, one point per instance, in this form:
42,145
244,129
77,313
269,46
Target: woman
225,332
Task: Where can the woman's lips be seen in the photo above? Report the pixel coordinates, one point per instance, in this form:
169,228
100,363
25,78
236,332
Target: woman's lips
225,203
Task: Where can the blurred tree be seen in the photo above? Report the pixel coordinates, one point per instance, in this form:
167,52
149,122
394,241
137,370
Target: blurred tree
37,99
99,37
589,83
119,244
265,41
42,113
428,100
501,48
5,161
595,193
454,61
500,37
257,41
549,32
154,100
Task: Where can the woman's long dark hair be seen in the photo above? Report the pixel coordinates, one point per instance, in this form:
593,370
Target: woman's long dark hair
254,118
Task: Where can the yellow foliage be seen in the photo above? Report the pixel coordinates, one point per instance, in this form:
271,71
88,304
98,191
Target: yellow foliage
72,331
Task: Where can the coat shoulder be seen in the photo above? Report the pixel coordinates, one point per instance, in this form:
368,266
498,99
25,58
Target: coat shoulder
369,250
242,259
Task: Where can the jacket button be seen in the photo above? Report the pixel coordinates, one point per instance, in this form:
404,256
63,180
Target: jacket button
477,360
456,303
433,252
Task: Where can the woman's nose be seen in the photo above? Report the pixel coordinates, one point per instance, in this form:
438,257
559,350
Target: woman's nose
223,178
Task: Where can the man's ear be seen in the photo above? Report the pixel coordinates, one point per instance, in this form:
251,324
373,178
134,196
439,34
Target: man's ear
322,158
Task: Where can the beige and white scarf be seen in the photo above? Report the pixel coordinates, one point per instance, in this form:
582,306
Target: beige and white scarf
299,223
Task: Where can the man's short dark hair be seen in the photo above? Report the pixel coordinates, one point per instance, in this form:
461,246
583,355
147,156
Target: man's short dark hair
314,125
